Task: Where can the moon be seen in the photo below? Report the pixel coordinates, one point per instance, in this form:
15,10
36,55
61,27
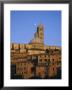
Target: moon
34,24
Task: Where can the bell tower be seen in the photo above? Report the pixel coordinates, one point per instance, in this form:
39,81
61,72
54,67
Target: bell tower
40,31
38,35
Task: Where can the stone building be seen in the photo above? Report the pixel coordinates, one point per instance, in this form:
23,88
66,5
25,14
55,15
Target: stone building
35,59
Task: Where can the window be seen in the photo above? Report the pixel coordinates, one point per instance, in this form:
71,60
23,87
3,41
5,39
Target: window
53,60
45,55
45,59
40,60
32,69
53,69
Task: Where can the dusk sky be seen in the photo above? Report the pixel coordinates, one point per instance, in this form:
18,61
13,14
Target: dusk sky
24,25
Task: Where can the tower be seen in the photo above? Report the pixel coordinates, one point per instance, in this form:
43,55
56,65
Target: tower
40,32
39,35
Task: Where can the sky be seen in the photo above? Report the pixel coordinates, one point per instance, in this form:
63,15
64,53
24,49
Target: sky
24,25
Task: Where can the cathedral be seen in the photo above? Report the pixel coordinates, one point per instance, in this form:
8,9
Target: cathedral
35,60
